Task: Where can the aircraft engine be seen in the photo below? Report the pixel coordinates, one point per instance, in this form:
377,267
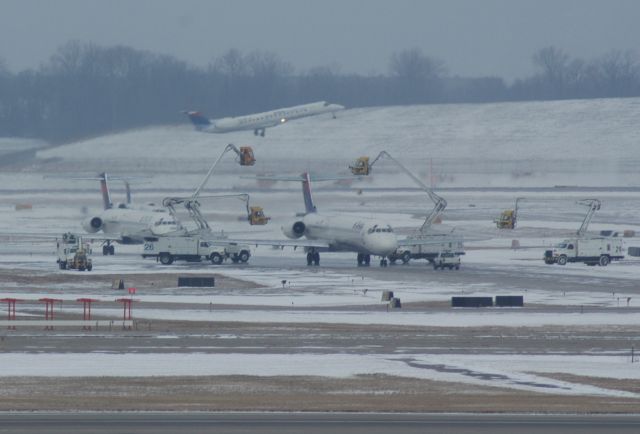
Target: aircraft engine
92,224
294,230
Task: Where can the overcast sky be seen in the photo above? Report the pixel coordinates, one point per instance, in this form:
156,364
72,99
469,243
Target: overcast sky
472,37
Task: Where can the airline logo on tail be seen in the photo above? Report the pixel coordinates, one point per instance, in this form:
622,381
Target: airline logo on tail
104,188
198,120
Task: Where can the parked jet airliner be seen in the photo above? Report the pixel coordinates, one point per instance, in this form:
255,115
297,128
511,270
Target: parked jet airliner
126,224
317,232
258,122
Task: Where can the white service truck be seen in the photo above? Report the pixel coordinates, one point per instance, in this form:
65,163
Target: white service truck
437,244
591,251
194,249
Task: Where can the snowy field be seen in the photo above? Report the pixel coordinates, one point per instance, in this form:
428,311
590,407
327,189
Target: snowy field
478,370
479,157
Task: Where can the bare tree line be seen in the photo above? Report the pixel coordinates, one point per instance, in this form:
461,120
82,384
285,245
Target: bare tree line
85,89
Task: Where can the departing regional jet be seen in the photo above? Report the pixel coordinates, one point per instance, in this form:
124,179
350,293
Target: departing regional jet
258,122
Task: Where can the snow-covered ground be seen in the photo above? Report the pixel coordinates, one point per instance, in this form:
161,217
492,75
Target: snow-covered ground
515,372
479,156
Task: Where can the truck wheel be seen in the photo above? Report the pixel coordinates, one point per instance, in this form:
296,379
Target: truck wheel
89,267
604,261
562,260
244,256
458,267
63,265
216,259
406,257
166,259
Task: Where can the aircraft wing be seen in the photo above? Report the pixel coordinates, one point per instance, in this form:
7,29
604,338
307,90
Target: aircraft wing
49,236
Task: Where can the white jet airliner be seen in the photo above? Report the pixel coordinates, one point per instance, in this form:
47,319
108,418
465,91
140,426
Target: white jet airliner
333,233
258,122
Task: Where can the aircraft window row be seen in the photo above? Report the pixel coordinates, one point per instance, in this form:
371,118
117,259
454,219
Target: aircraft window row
165,223
378,230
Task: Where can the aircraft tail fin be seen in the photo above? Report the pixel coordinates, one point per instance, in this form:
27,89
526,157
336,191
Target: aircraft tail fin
198,120
104,188
306,193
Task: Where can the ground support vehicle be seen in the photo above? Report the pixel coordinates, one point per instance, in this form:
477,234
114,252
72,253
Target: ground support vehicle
591,251
194,249
428,251
446,259
73,253
508,218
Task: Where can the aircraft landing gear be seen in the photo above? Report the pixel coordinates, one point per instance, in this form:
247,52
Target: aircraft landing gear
259,131
363,260
108,249
313,258
383,262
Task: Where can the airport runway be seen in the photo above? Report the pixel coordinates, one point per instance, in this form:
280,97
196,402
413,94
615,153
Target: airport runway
314,423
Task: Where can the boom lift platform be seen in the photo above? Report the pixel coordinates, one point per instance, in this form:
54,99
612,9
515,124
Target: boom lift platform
362,166
440,242
255,214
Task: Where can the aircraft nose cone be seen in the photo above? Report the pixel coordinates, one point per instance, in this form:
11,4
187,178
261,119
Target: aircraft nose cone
383,244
